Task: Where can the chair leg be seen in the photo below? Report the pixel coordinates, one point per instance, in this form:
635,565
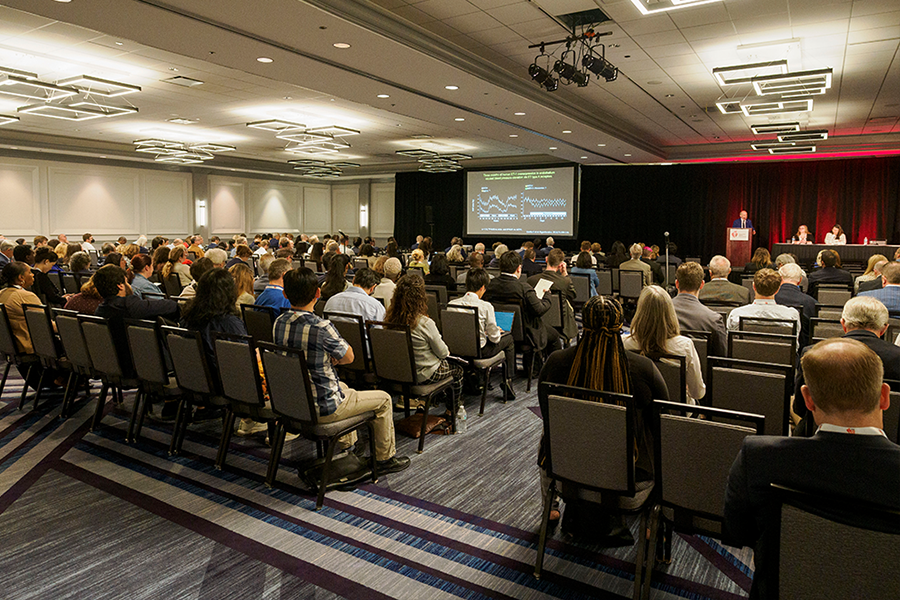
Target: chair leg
651,550
101,402
129,437
487,377
185,421
227,430
326,472
174,447
371,427
424,422
25,387
641,569
277,445
68,395
140,421
549,496
40,386
507,378
5,375
120,399
529,368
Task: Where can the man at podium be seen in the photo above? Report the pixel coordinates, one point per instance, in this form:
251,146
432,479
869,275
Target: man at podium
742,222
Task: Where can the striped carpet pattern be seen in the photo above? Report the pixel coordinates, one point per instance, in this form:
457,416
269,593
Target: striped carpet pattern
86,515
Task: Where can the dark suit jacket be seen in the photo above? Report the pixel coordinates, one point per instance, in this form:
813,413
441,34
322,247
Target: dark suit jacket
659,275
737,224
722,290
529,267
792,295
507,289
829,275
561,283
692,315
857,466
868,286
886,351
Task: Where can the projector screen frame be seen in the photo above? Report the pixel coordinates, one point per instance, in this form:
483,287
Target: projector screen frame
576,202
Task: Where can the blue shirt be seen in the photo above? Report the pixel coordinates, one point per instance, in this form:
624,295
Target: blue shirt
321,342
273,296
889,295
141,285
356,301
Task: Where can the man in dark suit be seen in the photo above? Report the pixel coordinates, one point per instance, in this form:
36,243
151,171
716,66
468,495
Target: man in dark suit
790,294
829,273
556,273
848,456
692,315
864,320
742,222
719,288
876,283
659,276
507,288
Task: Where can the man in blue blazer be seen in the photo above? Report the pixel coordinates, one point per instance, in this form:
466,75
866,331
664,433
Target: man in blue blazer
890,293
742,222
849,455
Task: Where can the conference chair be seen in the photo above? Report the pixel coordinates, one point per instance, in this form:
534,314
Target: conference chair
259,321
70,283
9,350
440,291
829,311
296,411
154,381
614,276
673,368
360,263
523,343
554,317
95,259
832,293
891,416
763,347
821,329
589,441
582,285
702,342
630,284
48,351
723,307
173,285
75,348
463,338
353,329
319,308
747,282
606,282
692,463
768,325
747,386
241,385
434,308
828,546
395,365
416,271
115,374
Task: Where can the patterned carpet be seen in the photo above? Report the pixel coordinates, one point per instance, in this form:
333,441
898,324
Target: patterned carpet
85,515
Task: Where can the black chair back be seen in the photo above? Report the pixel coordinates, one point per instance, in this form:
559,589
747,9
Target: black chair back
173,285
287,379
239,369
630,283
189,359
70,283
392,352
353,329
102,348
440,291
40,328
145,343
259,321
606,282
8,345
461,334
72,337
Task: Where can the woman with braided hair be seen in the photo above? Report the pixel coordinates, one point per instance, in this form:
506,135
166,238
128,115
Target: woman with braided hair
600,362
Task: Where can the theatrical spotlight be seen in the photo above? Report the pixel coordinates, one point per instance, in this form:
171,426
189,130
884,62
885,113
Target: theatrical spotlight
600,67
568,73
543,77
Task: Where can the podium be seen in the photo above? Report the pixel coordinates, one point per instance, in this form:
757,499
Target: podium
738,246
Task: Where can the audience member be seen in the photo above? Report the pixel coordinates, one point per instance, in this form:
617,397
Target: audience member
324,349
870,274
691,314
636,264
217,257
583,267
761,260
6,252
617,256
785,258
242,255
889,295
418,260
790,294
24,253
673,260
456,255
357,299
440,273
385,289
529,266
213,309
550,243
44,259
556,273
830,272
176,264
499,250
849,455
80,264
86,301
655,331
160,259
336,279
243,279
476,261
273,294
15,279
766,283
196,246
656,269
719,289
265,261
199,268
141,284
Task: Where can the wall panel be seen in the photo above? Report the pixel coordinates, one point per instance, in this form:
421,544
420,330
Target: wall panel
226,206
20,202
381,210
166,199
316,209
78,195
345,204
273,207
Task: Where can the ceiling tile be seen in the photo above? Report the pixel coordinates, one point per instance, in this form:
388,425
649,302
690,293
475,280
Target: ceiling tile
650,24
822,28
818,12
701,15
874,35
705,32
660,38
413,14
442,9
498,35
872,7
516,13
872,21
744,9
476,21
671,50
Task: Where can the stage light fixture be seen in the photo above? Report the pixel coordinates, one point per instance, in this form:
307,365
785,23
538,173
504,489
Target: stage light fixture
599,66
543,77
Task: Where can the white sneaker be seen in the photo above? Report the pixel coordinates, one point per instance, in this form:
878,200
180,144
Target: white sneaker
287,437
249,427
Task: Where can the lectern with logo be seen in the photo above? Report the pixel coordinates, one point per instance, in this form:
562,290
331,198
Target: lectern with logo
738,246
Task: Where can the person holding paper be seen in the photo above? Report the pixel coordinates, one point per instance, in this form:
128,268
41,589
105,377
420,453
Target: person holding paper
742,222
558,278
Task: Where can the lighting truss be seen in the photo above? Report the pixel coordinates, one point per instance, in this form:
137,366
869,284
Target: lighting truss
276,125
744,73
100,87
766,128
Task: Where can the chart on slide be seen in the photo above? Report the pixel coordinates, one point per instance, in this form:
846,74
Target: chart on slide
528,204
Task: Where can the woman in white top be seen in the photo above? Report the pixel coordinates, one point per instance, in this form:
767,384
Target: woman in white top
654,330
836,236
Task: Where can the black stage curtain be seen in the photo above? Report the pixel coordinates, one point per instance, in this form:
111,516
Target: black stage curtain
429,204
696,203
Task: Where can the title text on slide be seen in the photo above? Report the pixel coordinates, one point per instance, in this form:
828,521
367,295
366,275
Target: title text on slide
519,175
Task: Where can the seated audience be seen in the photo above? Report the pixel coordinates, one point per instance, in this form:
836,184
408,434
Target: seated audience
15,279
600,362
719,289
265,261
324,349
393,251
44,259
492,339
870,273
766,284
556,273
691,314
655,331
790,294
529,267
583,267
217,257
418,260
336,278
783,259
273,294
889,295
176,264
499,250
86,301
618,255
357,299
80,264
213,309
636,264
830,272
849,455
196,246
648,257
476,261
140,285
160,259
242,255
456,255
23,253
410,307
761,260
673,260
198,269
243,279
440,273
385,289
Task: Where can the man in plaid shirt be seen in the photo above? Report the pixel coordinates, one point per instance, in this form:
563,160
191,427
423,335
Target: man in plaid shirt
324,349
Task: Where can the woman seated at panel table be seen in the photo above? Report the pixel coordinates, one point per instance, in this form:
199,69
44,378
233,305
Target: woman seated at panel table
836,236
803,236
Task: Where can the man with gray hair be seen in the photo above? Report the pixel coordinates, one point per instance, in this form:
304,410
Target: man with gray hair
218,257
719,289
636,264
6,252
263,280
790,294
785,258
865,320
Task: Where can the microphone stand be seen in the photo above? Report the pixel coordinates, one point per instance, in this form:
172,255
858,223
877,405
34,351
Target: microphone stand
667,261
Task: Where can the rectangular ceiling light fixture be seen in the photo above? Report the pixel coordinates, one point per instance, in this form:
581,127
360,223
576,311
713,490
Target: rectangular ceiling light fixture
777,107
307,162
7,119
769,145
649,7
810,135
745,73
793,83
33,89
767,128
729,107
157,143
211,147
159,150
312,150
304,137
333,131
417,153
18,73
793,150
344,165
100,87
333,144
276,125
108,110
179,160
59,111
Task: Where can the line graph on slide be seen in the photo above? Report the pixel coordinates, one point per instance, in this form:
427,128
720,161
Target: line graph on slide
528,204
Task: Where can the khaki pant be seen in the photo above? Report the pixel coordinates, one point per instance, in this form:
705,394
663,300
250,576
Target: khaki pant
359,402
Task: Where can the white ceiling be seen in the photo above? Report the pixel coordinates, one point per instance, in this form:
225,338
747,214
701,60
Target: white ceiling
657,110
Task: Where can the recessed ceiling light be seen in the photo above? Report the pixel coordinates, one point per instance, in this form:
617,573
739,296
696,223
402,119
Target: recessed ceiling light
601,145
264,59
383,96
584,157
670,95
119,44
567,131
341,45
459,119
451,87
627,155
513,135
520,114
553,147
64,1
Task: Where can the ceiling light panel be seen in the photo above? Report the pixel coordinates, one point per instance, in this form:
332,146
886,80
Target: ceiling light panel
58,111
276,125
33,89
210,147
304,137
794,150
100,87
754,109
17,73
791,83
7,119
649,7
416,153
307,162
312,150
108,110
729,107
810,135
769,145
768,128
744,73
333,131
